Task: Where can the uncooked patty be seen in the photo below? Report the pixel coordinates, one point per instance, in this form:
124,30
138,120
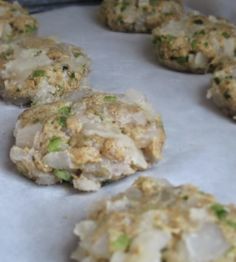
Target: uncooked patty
139,16
100,138
194,42
15,22
223,88
39,70
154,221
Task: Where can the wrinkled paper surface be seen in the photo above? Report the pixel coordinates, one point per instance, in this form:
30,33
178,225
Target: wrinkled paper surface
36,223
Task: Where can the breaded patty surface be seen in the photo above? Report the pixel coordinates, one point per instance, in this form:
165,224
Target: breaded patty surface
194,42
100,138
15,22
39,70
223,88
154,221
138,15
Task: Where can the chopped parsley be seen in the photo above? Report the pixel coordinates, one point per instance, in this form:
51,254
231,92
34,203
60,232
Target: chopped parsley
226,35
30,29
72,75
38,52
55,144
198,21
194,44
39,73
77,54
121,243
65,67
226,95
156,40
185,197
124,6
201,32
62,121
153,2
217,80
231,223
120,19
181,59
219,211
110,98
62,175
64,112
164,38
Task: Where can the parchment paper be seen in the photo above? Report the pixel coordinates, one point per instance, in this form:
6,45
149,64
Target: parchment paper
36,223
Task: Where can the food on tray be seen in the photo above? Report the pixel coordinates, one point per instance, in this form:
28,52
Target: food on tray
100,138
154,221
223,88
39,70
194,42
15,21
139,16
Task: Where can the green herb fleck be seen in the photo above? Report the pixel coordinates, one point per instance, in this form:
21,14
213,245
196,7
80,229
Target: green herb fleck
181,59
226,35
217,80
231,223
65,110
157,40
38,53
198,21
30,29
65,67
201,32
169,14
120,19
62,175
39,73
121,243
55,144
226,95
194,44
7,54
206,44
219,211
169,38
153,2
124,6
62,121
110,98
77,54
72,75
185,197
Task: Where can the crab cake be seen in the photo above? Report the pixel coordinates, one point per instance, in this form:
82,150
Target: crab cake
15,22
154,221
100,138
195,41
223,88
139,16
40,70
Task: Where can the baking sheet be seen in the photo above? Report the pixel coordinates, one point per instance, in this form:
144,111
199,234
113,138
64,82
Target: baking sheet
36,223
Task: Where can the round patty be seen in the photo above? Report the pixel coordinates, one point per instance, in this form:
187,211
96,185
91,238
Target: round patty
15,22
38,70
194,42
100,138
139,16
154,221
223,88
